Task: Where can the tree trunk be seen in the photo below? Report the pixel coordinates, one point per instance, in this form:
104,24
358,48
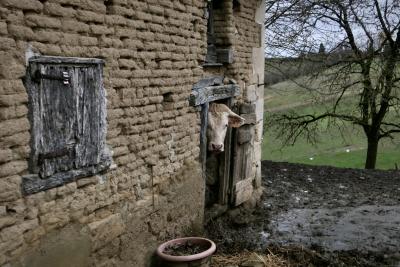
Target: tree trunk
372,153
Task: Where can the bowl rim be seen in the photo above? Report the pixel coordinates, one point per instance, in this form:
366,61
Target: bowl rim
198,256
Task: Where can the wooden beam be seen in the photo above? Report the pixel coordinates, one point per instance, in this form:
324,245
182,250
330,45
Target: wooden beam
66,60
212,93
208,81
203,138
33,183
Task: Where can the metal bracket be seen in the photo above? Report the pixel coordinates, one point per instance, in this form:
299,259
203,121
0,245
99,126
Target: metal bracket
64,151
65,78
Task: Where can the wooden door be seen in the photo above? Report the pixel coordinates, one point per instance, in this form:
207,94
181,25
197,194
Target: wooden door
242,169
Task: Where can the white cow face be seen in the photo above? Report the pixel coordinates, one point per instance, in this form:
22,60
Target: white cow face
220,117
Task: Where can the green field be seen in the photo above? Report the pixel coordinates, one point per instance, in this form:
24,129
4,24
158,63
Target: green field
341,148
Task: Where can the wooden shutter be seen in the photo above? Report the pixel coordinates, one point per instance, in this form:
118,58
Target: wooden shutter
90,126
56,120
67,103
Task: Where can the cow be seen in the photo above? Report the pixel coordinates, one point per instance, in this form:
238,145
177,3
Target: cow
220,117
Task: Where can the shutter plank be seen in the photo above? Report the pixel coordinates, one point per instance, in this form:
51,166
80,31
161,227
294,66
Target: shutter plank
57,117
90,103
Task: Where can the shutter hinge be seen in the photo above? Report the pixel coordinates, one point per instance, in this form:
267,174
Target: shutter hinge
56,153
65,78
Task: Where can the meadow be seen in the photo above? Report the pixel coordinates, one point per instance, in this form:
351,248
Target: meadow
344,147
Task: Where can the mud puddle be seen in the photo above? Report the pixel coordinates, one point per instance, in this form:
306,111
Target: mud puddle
369,228
348,217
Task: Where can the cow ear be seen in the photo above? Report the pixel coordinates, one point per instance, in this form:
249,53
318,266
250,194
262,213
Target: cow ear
235,120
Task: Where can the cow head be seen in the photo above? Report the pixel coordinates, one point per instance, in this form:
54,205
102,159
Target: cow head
220,117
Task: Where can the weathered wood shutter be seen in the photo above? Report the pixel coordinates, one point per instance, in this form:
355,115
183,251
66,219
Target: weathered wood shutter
243,157
68,118
55,136
90,130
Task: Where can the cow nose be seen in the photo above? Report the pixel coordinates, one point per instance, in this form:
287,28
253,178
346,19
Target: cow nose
216,147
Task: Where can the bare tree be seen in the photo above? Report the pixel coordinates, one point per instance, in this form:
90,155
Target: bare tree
361,60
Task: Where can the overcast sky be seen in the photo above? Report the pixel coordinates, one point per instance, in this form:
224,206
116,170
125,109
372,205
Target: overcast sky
329,33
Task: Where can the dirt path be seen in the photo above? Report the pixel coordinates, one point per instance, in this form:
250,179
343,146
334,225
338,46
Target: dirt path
338,212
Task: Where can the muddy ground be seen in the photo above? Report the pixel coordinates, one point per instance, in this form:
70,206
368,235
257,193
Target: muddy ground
319,216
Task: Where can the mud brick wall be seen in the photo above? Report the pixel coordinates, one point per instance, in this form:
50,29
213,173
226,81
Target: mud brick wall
153,52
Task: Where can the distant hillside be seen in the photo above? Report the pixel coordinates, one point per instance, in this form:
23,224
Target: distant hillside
281,69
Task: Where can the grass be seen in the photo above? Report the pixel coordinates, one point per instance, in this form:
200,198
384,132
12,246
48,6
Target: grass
340,148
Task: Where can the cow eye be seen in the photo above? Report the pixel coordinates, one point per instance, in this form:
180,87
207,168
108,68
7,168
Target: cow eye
226,125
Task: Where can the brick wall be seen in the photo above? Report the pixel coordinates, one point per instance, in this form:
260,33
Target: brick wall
154,51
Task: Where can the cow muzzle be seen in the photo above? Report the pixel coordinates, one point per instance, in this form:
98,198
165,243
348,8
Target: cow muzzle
217,147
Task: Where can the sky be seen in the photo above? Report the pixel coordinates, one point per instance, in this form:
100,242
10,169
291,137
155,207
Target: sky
363,19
